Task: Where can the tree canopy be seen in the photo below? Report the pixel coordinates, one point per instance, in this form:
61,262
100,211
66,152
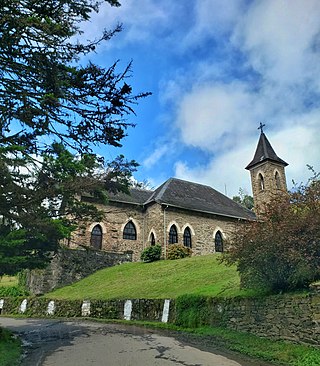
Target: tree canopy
281,250
244,199
53,110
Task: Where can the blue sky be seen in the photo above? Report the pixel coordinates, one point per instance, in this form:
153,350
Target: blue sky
216,69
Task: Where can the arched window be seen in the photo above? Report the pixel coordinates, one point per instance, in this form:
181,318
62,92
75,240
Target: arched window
152,239
218,242
96,237
173,235
187,238
261,182
129,231
277,178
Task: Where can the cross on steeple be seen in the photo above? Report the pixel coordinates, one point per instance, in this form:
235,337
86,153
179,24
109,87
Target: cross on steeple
261,127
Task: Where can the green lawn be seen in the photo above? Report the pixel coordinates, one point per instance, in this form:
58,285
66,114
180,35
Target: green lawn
202,275
10,349
7,281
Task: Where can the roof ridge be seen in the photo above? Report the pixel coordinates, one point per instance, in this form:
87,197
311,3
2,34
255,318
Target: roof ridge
164,187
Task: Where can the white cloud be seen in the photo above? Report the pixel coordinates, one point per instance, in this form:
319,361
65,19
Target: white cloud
213,117
155,156
280,43
141,21
281,39
298,146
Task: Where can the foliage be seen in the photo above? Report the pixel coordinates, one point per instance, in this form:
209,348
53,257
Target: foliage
10,349
191,311
13,291
45,90
151,254
53,110
244,199
281,251
177,251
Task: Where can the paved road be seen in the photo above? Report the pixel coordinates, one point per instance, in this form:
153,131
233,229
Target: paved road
82,343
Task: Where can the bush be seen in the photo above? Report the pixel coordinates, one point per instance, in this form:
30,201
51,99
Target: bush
12,291
177,251
151,254
281,251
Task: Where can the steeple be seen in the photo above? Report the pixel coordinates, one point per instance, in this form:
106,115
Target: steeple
267,173
264,151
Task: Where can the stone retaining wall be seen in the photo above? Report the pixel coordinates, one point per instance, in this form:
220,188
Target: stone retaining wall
277,317
70,265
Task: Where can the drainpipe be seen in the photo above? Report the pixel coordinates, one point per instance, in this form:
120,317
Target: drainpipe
164,231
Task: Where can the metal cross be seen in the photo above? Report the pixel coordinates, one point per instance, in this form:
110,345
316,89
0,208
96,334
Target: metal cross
261,127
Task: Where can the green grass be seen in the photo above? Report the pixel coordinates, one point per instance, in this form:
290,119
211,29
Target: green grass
10,349
278,352
202,275
7,281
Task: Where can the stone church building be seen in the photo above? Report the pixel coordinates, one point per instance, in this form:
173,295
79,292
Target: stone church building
194,215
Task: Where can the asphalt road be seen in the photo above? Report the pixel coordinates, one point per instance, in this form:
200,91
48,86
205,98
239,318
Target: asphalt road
68,343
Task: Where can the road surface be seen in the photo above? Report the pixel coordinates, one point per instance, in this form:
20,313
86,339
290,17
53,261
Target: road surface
54,343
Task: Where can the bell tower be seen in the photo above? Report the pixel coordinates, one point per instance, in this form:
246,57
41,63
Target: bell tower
267,173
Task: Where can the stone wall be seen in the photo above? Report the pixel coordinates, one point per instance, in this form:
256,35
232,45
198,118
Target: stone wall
287,317
70,265
278,317
268,171
116,216
155,219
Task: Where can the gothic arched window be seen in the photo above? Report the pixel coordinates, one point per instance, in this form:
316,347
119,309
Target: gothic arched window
261,182
173,235
218,242
152,239
129,231
277,178
96,237
187,238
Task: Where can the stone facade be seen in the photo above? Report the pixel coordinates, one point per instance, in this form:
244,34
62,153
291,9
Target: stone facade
156,219
268,180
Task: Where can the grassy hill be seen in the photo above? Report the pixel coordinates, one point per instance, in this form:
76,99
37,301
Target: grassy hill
202,275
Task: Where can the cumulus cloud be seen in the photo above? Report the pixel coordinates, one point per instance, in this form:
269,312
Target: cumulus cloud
281,39
278,43
141,20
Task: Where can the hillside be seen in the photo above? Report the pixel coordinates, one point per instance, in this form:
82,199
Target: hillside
202,275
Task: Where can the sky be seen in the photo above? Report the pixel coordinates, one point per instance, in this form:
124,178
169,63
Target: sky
216,69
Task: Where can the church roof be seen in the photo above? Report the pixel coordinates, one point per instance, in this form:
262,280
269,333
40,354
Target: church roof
264,152
197,197
186,195
137,196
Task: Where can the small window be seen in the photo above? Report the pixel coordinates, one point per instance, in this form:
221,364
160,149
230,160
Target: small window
218,242
277,178
187,238
129,231
96,237
261,182
173,235
152,239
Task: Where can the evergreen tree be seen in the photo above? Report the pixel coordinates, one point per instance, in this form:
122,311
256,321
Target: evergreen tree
53,110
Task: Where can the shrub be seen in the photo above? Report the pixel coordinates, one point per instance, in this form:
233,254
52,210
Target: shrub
281,251
151,254
177,251
12,291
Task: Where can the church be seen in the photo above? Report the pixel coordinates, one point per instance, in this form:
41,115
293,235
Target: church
181,212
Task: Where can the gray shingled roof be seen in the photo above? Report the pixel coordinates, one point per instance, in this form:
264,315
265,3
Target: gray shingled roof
264,152
187,195
197,197
137,196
